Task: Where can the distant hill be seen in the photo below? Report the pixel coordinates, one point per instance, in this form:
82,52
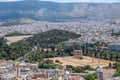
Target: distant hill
50,11
52,37
19,21
14,34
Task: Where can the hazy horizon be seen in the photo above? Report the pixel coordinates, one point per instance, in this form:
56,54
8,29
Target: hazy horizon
70,1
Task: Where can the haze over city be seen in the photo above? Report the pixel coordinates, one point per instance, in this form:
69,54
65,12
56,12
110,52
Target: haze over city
69,1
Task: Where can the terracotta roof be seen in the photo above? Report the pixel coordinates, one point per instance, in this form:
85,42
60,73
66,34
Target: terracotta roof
108,70
3,63
39,75
75,78
19,77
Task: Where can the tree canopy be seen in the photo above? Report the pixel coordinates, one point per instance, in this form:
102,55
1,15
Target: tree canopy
52,37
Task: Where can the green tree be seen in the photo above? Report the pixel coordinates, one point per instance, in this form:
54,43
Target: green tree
90,77
117,67
78,69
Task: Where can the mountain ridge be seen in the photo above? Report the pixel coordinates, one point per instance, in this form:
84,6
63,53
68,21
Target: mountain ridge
52,11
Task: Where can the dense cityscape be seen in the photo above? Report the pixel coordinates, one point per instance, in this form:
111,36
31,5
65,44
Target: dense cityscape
90,31
43,40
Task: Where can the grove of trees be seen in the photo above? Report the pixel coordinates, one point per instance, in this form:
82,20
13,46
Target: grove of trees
14,50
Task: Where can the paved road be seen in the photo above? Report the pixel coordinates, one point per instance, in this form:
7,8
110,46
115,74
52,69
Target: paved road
23,58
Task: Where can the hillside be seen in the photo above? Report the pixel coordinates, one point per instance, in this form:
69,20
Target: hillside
19,21
45,39
52,37
14,50
14,34
50,11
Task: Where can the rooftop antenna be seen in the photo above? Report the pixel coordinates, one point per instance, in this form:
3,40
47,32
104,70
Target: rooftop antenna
99,60
99,55
92,57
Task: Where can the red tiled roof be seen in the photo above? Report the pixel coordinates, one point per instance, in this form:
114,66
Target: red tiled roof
108,70
75,78
3,63
39,75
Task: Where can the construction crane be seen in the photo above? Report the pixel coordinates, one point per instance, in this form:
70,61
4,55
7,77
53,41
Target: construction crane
17,68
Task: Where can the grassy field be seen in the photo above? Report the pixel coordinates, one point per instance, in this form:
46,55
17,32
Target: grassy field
85,61
12,39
